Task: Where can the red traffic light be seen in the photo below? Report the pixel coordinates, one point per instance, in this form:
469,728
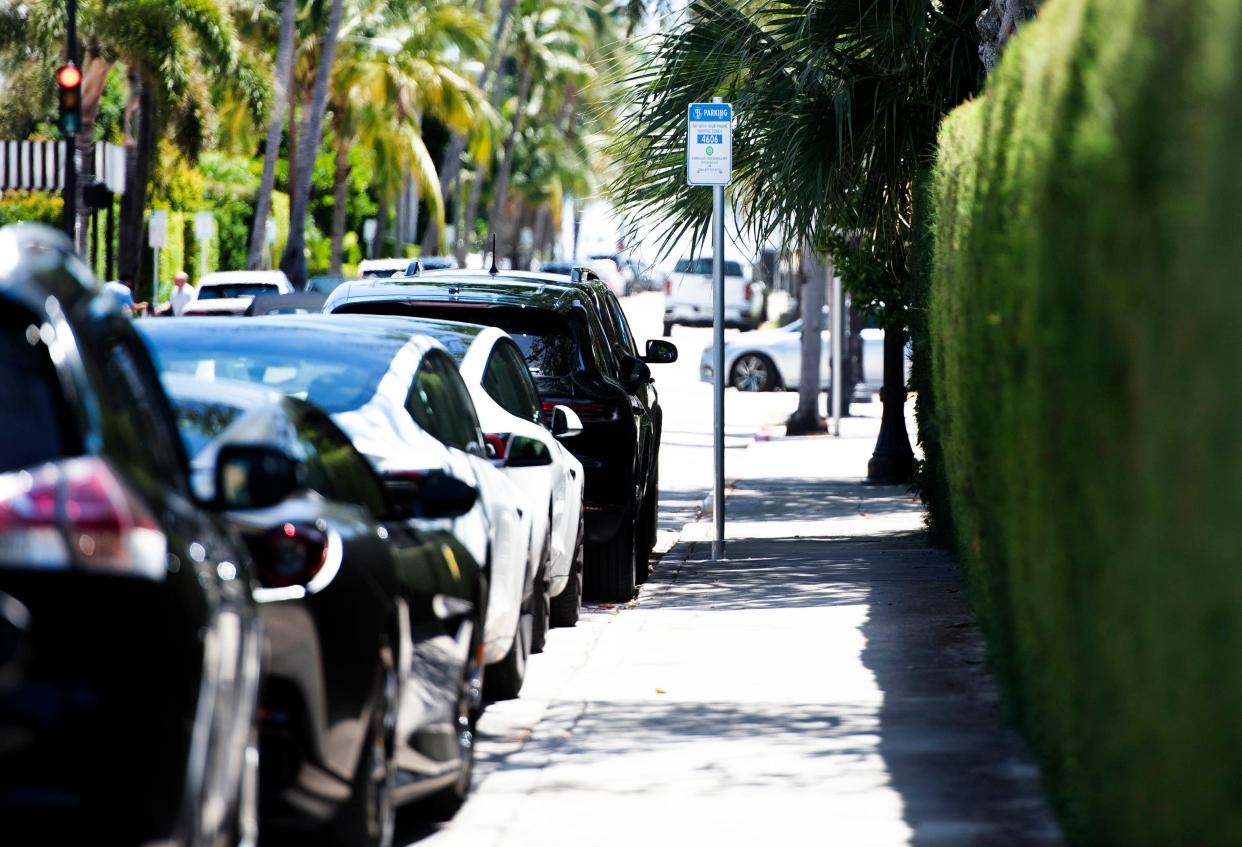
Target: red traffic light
69,76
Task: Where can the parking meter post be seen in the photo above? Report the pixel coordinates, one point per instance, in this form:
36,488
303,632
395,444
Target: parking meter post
718,379
837,333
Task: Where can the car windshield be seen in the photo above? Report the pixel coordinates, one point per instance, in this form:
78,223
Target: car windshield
703,267
235,289
336,371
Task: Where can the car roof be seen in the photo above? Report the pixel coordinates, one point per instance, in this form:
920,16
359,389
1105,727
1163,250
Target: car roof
243,395
510,288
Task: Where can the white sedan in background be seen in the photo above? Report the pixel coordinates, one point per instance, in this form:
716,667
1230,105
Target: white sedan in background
549,476
231,292
771,360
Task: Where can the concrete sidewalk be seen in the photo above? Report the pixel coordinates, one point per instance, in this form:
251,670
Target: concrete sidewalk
824,685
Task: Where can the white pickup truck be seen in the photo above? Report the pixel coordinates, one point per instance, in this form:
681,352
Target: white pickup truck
688,294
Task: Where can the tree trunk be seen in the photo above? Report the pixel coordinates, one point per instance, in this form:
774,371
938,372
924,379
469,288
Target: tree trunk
381,227
340,196
271,151
892,463
139,147
293,263
451,166
497,219
807,418
476,187
95,72
997,25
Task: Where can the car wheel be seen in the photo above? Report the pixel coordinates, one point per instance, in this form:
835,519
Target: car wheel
668,329
541,599
647,533
505,678
567,605
609,573
369,816
753,372
446,802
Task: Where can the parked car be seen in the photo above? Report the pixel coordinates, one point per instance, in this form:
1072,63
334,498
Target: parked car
382,268
230,292
399,399
529,453
129,642
348,596
561,328
323,283
688,295
298,303
771,360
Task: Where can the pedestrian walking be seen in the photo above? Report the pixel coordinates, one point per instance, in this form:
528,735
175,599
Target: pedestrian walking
183,293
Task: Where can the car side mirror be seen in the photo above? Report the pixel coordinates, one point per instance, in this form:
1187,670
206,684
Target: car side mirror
635,373
660,352
527,453
565,422
434,494
253,476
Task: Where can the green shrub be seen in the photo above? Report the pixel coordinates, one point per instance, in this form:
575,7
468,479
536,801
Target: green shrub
1086,356
31,206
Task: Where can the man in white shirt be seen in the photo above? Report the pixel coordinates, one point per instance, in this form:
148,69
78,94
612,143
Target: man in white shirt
183,293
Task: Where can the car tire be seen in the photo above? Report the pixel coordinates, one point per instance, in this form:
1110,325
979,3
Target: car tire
369,816
647,532
668,329
567,606
609,574
541,599
753,372
504,679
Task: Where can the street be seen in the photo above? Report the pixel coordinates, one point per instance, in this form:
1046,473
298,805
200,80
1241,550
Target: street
825,685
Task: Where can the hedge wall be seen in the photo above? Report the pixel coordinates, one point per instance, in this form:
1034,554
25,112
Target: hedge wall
1088,363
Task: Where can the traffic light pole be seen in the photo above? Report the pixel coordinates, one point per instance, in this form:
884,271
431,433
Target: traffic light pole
71,145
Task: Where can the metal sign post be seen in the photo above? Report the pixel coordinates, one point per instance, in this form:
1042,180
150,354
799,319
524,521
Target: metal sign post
157,237
837,338
709,161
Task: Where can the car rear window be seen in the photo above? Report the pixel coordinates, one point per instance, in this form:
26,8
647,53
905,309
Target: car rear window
703,267
33,416
239,289
337,371
545,338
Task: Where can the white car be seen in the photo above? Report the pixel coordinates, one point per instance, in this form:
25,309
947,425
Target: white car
231,292
383,268
399,398
550,477
771,360
688,294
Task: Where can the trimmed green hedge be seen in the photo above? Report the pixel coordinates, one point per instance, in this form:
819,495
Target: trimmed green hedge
1088,367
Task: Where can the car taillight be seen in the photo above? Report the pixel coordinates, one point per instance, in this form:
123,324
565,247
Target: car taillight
289,554
497,445
588,412
77,513
668,286
750,289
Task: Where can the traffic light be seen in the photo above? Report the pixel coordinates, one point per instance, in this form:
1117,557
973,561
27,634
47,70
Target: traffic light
69,80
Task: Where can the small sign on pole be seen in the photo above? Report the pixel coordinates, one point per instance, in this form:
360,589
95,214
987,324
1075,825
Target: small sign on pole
369,227
709,144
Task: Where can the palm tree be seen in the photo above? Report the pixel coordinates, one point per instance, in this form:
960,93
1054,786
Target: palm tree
837,104
293,262
275,124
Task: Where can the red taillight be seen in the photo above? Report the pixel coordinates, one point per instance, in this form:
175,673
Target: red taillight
588,412
498,445
668,286
750,289
77,512
290,554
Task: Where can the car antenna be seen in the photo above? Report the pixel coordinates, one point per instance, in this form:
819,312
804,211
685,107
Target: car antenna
494,270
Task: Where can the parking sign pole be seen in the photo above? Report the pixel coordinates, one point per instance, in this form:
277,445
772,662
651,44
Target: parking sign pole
709,161
718,379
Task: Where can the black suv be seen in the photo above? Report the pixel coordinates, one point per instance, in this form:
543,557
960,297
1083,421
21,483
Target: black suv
129,642
582,354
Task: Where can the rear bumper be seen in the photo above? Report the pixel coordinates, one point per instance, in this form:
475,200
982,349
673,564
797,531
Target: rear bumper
693,315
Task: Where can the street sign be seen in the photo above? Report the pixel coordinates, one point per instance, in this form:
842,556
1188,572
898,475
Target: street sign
204,226
157,229
709,144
